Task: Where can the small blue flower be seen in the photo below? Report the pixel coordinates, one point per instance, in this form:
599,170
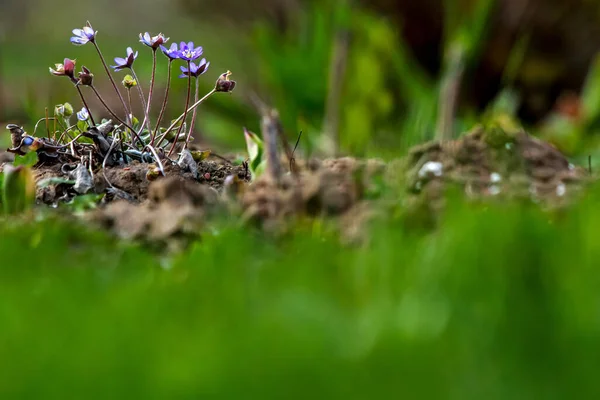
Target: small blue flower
27,141
195,70
153,41
82,36
172,52
188,52
123,63
83,115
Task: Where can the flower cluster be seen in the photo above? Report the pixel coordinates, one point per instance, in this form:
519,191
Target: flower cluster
145,135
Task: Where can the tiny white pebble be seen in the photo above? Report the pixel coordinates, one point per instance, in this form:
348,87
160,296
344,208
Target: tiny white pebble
561,189
495,177
434,168
571,167
494,190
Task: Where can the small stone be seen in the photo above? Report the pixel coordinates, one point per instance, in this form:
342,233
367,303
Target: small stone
431,168
495,177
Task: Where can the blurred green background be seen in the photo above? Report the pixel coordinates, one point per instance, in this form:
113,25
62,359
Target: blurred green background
498,301
372,74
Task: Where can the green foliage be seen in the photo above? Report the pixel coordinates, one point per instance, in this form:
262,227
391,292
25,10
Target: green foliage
255,148
18,189
28,160
294,65
489,294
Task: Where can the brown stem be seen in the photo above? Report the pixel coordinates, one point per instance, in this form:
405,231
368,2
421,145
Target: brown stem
330,136
85,105
146,120
164,105
196,104
449,92
270,134
185,112
194,113
151,90
115,115
111,79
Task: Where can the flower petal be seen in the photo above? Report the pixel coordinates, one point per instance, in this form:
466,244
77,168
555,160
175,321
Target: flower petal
120,61
78,32
78,40
183,76
183,69
88,31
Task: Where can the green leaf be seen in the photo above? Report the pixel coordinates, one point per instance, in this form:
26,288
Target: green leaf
54,180
18,189
591,92
84,202
82,126
254,146
28,160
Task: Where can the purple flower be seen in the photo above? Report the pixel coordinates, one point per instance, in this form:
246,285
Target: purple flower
171,52
82,36
155,41
188,52
127,62
83,115
195,70
67,68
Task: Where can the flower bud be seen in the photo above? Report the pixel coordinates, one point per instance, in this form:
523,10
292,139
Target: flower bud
86,78
68,109
224,84
129,81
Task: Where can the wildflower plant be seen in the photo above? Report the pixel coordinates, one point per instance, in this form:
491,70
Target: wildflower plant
122,138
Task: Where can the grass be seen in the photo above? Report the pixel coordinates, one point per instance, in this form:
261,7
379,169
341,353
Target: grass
500,301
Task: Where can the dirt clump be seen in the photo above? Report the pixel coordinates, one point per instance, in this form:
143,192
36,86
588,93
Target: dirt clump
174,209
131,181
328,188
494,164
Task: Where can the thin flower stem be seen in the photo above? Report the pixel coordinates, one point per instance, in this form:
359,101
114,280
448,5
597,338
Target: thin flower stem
185,110
158,162
111,79
196,104
146,120
47,124
129,101
193,121
131,117
85,105
164,104
115,115
151,90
